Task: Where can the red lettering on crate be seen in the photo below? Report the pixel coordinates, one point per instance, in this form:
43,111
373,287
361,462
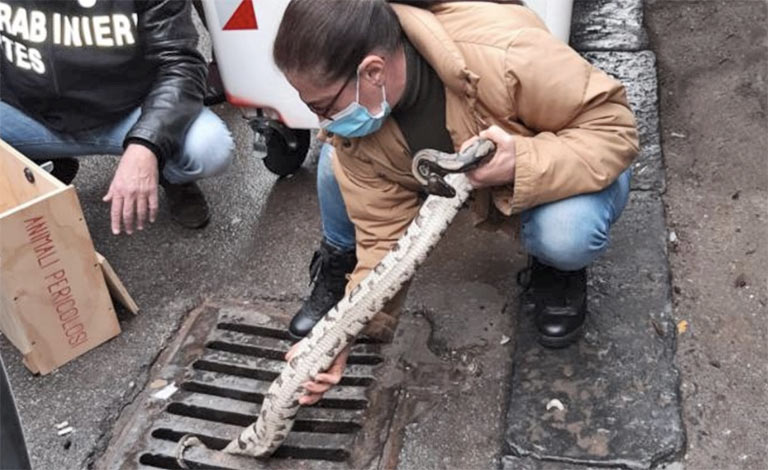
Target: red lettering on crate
56,282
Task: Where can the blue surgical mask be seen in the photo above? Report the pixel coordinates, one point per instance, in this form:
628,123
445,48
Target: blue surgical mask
355,120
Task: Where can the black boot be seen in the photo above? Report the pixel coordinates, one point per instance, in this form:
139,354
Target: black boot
186,203
560,303
328,271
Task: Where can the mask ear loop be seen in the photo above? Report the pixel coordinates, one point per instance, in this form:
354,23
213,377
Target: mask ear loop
384,104
357,91
357,87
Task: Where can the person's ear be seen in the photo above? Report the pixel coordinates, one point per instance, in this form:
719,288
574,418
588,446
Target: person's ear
372,70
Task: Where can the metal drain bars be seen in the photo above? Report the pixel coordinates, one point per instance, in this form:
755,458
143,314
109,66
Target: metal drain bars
222,366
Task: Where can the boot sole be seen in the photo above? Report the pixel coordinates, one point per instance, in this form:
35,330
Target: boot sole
192,225
560,342
294,337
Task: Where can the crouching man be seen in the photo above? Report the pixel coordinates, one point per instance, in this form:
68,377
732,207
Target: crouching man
84,77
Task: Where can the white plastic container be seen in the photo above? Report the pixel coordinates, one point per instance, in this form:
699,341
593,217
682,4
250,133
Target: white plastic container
244,55
556,15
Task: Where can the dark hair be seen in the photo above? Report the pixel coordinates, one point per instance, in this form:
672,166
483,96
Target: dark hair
331,37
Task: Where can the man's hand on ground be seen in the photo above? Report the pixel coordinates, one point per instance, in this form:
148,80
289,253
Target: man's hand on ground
133,192
325,381
500,169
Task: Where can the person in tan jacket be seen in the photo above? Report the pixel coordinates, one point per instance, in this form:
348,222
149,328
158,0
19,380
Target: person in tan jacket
388,80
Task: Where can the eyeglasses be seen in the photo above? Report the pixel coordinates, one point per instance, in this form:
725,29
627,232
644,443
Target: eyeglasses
324,112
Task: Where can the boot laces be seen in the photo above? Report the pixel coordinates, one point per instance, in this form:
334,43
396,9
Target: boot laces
327,268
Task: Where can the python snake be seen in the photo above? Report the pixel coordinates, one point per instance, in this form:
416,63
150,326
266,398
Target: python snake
442,175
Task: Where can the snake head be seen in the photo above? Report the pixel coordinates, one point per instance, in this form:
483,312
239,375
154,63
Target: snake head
430,166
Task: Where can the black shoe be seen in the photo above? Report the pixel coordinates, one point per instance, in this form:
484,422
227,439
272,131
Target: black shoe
186,203
328,271
559,303
64,169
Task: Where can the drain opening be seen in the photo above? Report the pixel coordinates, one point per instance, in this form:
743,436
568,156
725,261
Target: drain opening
255,397
283,452
165,462
229,369
265,375
247,350
207,389
277,334
365,359
360,358
243,420
256,330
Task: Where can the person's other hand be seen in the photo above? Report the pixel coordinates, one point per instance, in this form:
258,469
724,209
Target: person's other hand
324,381
500,169
133,192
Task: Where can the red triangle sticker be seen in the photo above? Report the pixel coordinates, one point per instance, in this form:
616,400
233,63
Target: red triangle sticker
243,18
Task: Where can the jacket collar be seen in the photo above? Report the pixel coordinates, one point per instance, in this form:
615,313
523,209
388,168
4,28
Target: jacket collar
431,40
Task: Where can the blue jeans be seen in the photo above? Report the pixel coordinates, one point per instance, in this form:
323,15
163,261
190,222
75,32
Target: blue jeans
338,230
206,150
568,234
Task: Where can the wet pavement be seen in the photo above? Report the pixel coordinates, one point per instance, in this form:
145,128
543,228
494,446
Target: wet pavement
617,388
465,385
617,400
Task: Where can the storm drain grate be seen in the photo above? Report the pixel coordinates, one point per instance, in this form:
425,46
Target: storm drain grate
223,367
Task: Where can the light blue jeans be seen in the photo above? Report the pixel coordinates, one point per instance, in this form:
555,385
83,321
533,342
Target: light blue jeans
206,151
567,234
338,230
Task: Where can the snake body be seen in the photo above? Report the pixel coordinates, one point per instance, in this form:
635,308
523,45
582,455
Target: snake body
339,327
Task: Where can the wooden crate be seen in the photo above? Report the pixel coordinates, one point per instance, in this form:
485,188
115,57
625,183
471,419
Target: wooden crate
54,301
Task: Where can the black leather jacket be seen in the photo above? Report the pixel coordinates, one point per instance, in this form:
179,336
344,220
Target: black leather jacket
76,65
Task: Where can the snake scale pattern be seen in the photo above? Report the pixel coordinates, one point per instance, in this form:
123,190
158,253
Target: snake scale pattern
317,351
